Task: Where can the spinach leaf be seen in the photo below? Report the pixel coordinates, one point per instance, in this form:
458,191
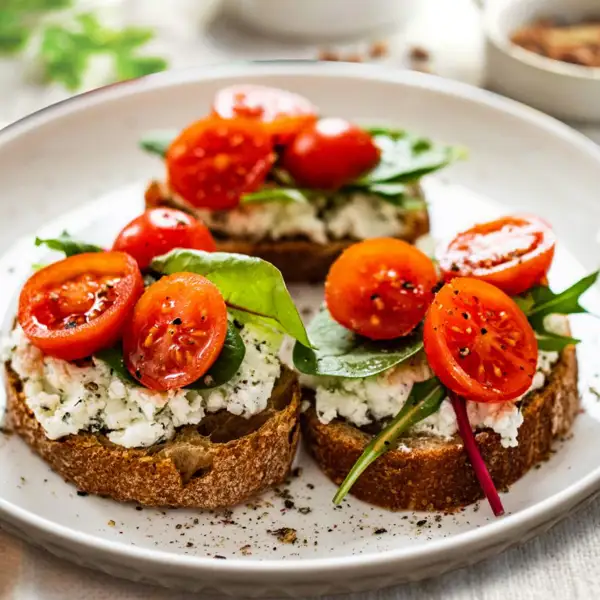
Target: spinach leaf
158,142
224,368
113,357
424,400
227,364
65,243
275,194
405,157
247,283
339,352
541,301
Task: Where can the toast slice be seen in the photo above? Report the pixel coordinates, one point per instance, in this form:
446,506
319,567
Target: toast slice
299,259
219,463
429,473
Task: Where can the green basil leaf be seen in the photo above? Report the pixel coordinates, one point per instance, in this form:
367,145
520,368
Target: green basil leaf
227,364
338,352
247,283
276,194
425,399
65,243
158,142
391,190
224,368
405,157
113,357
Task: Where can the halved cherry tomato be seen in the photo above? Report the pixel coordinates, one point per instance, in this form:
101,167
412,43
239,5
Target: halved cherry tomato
513,253
380,288
329,154
176,332
213,162
479,342
283,113
159,230
79,305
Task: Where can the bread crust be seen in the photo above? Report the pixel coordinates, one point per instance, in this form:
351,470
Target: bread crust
191,471
435,474
299,260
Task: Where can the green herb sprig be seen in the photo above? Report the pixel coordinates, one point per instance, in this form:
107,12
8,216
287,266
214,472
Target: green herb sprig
424,400
66,47
540,302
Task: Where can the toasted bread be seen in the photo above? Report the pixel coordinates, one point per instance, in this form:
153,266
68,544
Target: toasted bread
299,259
428,473
219,463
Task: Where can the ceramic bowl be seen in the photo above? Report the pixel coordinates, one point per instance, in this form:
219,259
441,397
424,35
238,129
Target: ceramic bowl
561,89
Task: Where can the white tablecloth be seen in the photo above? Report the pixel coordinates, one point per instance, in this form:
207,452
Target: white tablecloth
560,564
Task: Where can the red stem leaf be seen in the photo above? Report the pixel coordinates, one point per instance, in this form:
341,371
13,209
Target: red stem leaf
477,462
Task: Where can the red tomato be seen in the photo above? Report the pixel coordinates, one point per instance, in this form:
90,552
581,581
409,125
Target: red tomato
159,230
79,305
283,113
479,342
380,288
213,162
329,154
512,253
176,332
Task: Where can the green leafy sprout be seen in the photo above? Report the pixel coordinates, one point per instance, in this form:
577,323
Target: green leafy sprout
65,49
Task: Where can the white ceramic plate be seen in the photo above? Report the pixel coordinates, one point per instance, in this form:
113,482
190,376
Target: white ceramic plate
77,164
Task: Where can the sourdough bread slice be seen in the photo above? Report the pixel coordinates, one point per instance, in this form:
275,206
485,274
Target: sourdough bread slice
219,463
429,473
299,259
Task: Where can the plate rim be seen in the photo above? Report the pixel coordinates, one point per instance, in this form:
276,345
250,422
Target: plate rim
495,531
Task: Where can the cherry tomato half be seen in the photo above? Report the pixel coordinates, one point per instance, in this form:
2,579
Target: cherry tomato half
512,253
79,305
214,161
283,113
176,332
380,288
479,342
330,153
159,230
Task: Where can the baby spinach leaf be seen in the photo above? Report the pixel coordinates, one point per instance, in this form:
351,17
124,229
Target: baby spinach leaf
405,157
224,368
275,194
553,342
227,364
65,243
425,399
158,142
247,283
113,357
339,352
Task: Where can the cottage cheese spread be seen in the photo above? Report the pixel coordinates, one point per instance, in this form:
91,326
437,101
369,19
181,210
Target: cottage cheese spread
356,216
67,398
362,401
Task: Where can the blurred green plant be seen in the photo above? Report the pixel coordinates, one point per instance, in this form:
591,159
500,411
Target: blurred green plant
65,49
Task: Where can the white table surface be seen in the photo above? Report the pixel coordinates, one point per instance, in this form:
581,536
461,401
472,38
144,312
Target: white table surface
563,563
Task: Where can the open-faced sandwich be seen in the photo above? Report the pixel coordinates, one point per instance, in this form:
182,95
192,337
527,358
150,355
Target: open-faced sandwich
272,179
164,388
421,376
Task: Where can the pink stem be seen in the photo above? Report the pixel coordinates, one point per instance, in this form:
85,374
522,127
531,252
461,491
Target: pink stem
477,462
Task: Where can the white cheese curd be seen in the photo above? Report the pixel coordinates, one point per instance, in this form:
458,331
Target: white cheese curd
362,401
67,398
357,216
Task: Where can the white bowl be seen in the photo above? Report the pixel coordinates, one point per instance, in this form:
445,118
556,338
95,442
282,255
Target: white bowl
564,90
322,19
